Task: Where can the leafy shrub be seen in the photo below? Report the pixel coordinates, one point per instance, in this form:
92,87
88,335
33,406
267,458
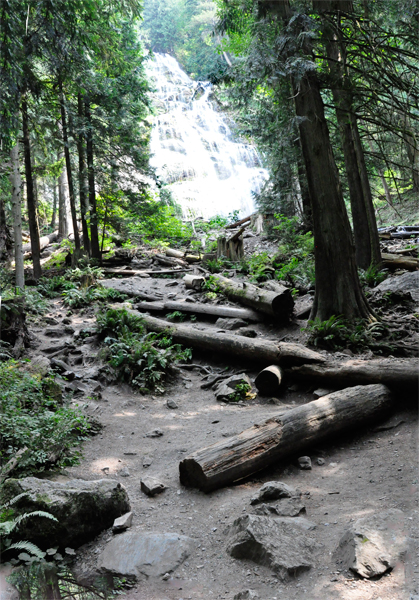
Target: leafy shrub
240,393
337,333
372,276
32,418
79,297
142,359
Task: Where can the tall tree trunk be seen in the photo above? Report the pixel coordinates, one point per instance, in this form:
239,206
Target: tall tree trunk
30,195
82,176
54,206
383,179
62,201
69,174
91,181
16,182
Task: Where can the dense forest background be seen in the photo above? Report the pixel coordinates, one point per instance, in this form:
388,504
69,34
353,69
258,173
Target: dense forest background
76,115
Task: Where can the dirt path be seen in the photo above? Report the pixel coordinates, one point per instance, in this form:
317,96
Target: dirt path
364,472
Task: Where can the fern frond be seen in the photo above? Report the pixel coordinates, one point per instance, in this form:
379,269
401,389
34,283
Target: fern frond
29,547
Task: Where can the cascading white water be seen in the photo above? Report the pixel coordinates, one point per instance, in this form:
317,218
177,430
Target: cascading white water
194,150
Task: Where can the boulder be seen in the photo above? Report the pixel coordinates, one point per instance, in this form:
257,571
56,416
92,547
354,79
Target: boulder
142,555
230,324
83,509
375,544
273,490
287,507
408,283
226,389
39,365
281,543
151,486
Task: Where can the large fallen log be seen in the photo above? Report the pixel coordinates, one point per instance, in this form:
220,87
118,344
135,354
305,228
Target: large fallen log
44,241
203,309
396,261
399,374
259,351
278,304
238,223
132,273
283,436
190,258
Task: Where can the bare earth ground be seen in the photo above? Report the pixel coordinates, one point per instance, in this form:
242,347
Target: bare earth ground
365,471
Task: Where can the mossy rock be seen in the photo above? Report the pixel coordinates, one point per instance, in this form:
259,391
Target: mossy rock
83,509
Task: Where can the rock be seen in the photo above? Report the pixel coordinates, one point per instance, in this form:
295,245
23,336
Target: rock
147,460
304,462
250,333
320,461
51,321
303,306
281,543
142,555
66,321
39,365
69,375
69,329
92,373
246,595
273,490
122,523
408,283
83,509
375,544
59,365
154,433
287,507
230,324
124,472
321,392
152,486
227,388
171,404
55,332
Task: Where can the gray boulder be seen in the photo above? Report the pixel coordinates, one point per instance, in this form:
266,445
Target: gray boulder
230,324
287,507
408,283
83,509
373,545
273,490
142,555
228,387
281,543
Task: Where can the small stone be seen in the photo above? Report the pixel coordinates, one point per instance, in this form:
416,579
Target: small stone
55,332
69,375
65,321
151,486
122,523
274,490
247,595
171,404
51,321
320,392
304,462
320,461
147,461
250,333
166,576
124,472
230,324
154,433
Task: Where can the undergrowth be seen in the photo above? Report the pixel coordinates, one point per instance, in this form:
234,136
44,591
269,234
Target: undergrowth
143,359
34,417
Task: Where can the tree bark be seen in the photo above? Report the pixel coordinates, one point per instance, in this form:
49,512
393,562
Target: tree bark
30,195
275,304
69,174
394,261
398,374
269,380
44,241
229,312
82,176
62,201
54,206
94,231
16,182
258,351
283,436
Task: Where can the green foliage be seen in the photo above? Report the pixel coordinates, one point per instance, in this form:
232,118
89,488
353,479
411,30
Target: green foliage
176,316
211,285
372,276
80,297
32,418
336,333
241,391
142,359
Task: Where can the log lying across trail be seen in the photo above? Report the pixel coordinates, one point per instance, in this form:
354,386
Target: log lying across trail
197,308
278,304
190,258
238,223
44,241
132,273
399,374
282,436
259,351
397,261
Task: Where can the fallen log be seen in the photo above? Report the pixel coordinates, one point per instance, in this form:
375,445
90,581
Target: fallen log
259,351
398,374
132,273
229,312
193,282
44,241
190,258
238,223
278,304
397,261
269,380
282,436
169,261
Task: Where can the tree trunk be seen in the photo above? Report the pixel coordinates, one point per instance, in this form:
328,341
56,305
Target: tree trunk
228,312
62,201
258,351
16,182
44,241
275,304
69,175
94,232
6,242
30,195
283,436
398,374
82,176
54,206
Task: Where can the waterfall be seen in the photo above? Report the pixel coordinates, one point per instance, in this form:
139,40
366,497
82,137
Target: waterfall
194,150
